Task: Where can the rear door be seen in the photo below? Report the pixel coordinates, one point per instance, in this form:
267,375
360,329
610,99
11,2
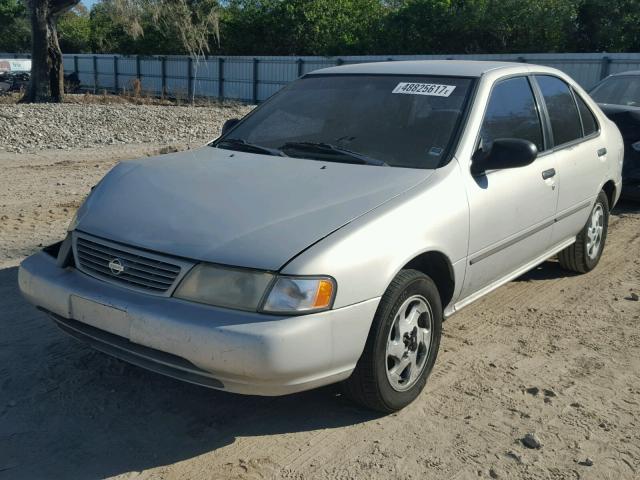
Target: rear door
579,153
512,209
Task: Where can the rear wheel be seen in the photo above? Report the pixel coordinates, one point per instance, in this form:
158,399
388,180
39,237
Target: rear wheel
402,345
585,253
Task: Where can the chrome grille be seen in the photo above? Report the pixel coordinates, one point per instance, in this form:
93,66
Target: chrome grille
140,270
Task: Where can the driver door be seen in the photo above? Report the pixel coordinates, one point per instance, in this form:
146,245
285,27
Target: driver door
512,209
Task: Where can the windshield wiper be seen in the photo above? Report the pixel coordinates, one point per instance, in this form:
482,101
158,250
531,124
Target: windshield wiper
244,146
327,148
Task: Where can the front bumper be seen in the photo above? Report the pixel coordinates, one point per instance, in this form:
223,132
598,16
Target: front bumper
241,352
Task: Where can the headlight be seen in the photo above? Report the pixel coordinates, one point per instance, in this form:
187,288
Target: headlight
636,146
245,290
74,222
224,287
300,294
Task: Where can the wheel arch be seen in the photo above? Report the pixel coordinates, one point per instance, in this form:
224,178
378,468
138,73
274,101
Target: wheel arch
609,188
439,268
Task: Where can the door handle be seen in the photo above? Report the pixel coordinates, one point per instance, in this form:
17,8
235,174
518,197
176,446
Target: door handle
602,152
549,173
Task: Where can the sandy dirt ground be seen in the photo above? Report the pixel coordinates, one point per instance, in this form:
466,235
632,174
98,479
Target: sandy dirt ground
552,354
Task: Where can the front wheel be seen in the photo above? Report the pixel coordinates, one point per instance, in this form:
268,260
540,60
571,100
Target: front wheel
402,345
583,255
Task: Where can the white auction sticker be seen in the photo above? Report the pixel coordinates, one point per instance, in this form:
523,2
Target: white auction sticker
432,89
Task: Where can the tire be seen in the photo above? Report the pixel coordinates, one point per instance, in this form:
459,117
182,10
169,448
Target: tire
583,256
380,380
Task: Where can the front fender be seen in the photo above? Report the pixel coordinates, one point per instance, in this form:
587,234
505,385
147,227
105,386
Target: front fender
365,255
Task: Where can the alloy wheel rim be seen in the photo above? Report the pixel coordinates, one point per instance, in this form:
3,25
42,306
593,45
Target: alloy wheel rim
409,343
595,230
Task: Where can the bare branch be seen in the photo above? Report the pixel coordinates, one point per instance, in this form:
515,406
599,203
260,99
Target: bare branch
194,21
56,7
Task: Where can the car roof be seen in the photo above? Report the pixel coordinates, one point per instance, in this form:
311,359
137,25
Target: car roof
457,68
630,72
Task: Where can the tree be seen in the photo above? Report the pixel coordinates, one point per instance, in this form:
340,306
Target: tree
47,74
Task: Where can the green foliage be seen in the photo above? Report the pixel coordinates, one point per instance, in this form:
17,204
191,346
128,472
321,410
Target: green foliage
325,27
339,27
150,27
300,27
608,25
74,30
111,33
15,33
519,26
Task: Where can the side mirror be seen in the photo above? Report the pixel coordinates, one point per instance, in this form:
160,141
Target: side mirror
229,124
504,153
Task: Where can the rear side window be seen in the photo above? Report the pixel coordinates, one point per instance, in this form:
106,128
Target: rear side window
589,123
563,112
512,113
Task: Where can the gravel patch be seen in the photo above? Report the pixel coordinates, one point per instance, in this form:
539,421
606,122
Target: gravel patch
31,128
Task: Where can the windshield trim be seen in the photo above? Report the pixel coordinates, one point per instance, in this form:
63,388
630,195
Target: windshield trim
459,128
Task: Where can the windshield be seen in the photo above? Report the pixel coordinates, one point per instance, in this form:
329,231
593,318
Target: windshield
401,121
624,90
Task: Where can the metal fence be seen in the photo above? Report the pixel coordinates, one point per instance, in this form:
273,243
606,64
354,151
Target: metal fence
254,79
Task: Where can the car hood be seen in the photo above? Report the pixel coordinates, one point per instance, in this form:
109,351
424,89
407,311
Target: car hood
235,208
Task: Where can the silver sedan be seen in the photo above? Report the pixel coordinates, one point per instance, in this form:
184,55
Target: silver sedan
324,237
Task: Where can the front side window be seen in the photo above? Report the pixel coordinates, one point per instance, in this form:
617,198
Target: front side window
401,121
512,113
622,90
562,109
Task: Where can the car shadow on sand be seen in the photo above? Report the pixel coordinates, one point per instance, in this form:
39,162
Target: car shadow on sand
625,206
67,411
551,269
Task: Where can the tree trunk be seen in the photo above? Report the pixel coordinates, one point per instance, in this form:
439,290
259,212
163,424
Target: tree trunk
47,74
